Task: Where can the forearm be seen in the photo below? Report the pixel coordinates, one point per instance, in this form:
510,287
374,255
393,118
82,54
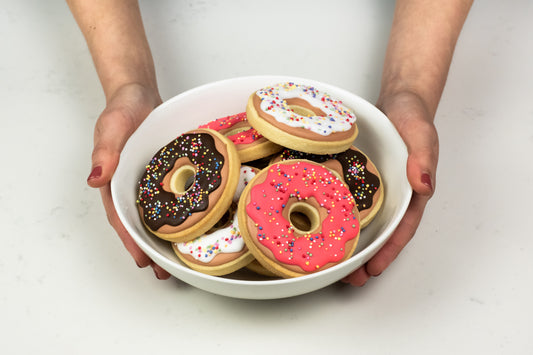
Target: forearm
115,35
420,49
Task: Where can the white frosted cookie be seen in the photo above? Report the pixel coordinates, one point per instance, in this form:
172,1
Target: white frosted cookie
302,118
222,250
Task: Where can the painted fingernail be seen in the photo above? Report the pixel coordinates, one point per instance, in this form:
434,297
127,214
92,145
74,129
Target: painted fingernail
426,180
95,174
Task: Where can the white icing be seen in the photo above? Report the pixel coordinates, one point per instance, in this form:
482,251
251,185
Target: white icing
247,173
225,240
206,247
339,118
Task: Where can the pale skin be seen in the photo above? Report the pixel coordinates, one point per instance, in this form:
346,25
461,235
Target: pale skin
418,57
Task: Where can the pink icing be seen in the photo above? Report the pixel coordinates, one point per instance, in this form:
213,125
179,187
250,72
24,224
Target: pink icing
245,137
303,180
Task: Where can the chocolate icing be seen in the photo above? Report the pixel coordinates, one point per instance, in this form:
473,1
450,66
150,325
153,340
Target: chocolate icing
361,182
161,207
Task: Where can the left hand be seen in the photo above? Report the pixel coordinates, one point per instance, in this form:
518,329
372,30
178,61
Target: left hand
415,125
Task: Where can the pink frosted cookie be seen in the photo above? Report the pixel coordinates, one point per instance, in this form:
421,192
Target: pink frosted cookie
302,117
221,250
249,143
359,173
298,217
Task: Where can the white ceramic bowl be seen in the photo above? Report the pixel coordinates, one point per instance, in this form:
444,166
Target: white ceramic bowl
377,138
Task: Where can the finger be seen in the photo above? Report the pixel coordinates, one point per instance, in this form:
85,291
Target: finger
141,259
400,237
357,278
422,143
112,130
159,272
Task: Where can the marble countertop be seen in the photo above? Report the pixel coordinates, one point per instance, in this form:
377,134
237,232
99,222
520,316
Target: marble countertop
462,286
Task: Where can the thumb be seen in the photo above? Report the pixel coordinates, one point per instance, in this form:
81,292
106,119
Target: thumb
414,123
423,150
111,132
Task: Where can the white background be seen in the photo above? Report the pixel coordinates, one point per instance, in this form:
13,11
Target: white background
67,285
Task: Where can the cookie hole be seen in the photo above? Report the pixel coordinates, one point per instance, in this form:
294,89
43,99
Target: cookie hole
182,179
304,218
238,130
302,111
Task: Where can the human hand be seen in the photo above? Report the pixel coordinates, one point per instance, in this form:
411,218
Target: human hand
414,123
124,112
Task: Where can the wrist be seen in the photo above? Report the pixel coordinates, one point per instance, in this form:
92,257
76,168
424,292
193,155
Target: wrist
404,81
404,98
116,87
142,97
126,67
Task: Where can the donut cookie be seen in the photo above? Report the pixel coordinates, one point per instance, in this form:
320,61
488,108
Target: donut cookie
249,143
221,250
297,217
255,266
302,118
359,173
188,185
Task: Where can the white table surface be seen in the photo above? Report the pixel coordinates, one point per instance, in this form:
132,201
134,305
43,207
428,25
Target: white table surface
462,286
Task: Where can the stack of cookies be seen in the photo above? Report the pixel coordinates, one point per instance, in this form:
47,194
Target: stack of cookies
278,188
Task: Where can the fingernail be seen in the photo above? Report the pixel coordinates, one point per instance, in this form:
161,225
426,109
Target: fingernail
95,174
426,180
